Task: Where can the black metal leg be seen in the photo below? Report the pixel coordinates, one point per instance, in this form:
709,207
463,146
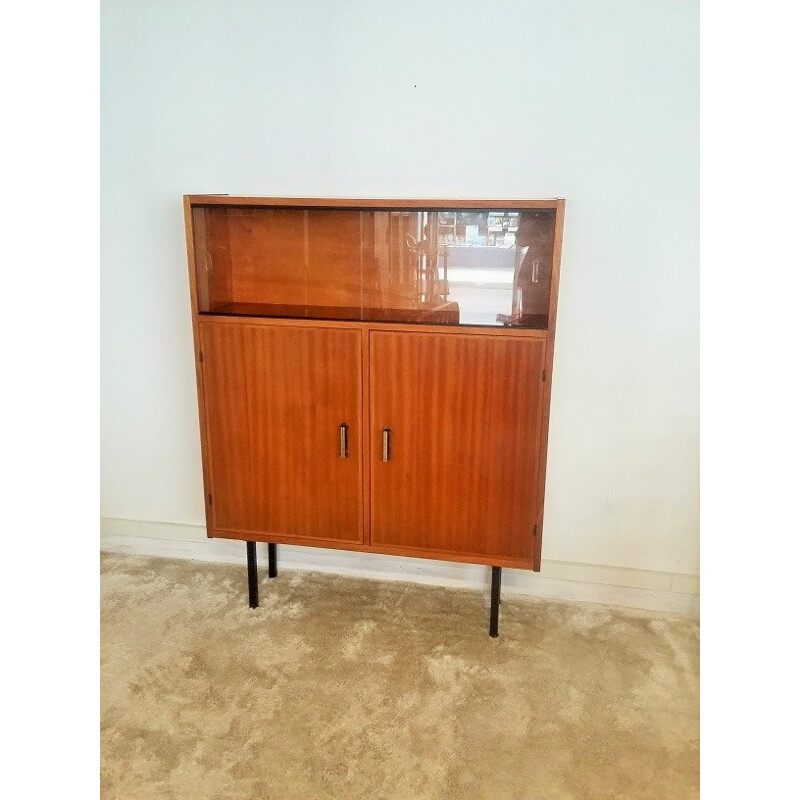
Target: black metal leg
273,560
494,614
252,574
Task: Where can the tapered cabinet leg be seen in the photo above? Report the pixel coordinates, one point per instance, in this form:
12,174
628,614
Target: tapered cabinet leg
252,574
494,613
273,560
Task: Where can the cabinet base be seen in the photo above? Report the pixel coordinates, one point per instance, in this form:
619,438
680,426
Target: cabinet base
494,611
272,572
272,569
252,569
252,575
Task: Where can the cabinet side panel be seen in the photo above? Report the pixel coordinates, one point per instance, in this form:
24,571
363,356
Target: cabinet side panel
191,234
463,415
547,389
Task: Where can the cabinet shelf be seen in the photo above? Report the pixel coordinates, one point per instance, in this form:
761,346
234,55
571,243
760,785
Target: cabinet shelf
444,314
439,313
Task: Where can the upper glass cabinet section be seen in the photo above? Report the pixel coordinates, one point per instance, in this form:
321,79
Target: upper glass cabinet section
458,266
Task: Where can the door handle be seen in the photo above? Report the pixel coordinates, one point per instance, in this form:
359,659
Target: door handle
386,453
343,440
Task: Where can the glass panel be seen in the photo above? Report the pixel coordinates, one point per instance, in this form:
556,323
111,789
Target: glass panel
452,267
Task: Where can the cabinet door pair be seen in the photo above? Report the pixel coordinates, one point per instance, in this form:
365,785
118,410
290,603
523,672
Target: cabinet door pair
429,445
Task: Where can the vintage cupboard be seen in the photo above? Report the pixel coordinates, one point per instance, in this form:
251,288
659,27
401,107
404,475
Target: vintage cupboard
374,375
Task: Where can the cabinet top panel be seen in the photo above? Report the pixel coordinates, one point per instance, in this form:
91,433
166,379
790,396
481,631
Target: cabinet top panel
371,202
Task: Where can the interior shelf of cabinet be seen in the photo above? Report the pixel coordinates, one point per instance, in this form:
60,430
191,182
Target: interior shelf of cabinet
437,314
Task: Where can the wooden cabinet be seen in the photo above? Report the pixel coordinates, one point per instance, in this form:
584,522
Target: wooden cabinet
375,374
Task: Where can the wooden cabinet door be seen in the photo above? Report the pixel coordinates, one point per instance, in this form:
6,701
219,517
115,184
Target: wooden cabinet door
275,397
463,413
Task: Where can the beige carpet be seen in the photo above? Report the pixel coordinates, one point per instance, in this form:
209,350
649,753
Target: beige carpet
345,688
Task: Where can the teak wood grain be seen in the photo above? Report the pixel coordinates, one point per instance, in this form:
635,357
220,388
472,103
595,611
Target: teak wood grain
273,391
275,398
464,413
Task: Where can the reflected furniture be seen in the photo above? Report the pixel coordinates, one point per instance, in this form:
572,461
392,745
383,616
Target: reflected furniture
374,375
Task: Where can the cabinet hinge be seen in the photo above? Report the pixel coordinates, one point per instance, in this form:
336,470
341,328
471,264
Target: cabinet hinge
200,356
210,500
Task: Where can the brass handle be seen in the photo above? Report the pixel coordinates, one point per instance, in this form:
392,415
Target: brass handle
343,440
386,454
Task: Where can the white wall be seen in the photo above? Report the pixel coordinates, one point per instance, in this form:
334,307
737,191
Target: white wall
596,101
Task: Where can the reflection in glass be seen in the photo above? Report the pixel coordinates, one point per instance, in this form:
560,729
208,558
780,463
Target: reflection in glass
467,267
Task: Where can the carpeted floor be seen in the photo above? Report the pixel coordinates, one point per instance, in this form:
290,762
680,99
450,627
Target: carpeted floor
344,688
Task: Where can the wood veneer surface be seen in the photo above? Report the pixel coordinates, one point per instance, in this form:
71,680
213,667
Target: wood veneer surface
275,398
464,414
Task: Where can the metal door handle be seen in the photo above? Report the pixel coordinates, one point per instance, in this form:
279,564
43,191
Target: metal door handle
343,440
386,453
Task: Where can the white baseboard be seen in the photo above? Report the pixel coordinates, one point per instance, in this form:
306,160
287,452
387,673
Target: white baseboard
558,580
